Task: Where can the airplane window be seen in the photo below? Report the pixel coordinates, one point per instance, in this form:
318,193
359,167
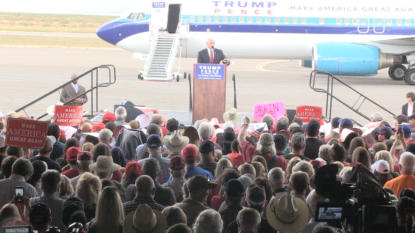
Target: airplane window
140,16
277,20
303,21
200,19
233,20
267,20
407,22
379,22
399,22
363,22
259,20
286,20
225,19
249,19
339,21
241,19
132,16
216,19
208,19
347,21
192,19
321,21
389,22
295,21
354,21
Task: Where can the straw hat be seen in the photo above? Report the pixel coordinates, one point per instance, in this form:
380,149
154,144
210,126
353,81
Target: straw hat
232,115
104,164
145,219
287,214
51,109
175,142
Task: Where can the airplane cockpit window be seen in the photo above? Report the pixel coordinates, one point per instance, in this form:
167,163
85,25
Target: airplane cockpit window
135,16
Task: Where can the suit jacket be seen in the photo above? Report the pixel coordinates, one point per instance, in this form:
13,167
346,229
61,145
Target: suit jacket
405,109
203,56
68,92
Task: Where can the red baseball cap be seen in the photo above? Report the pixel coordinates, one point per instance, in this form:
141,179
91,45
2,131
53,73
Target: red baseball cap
108,117
63,135
133,167
177,163
98,127
189,152
72,154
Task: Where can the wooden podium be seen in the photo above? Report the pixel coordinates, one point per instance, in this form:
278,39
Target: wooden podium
209,91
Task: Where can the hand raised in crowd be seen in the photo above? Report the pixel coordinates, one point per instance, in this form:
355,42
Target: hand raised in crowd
247,120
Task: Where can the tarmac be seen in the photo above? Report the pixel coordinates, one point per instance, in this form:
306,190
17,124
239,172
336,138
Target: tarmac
28,73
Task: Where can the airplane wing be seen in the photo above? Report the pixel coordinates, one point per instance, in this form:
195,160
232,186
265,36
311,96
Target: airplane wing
401,45
401,41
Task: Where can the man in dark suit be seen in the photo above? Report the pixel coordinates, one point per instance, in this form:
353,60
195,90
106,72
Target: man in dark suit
71,90
212,55
409,108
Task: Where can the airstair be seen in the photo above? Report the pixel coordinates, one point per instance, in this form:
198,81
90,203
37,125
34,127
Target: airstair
161,64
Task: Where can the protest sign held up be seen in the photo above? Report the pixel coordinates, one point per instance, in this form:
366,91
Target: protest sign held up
306,113
275,109
68,115
26,133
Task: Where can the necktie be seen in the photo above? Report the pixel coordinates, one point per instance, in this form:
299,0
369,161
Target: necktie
212,59
76,88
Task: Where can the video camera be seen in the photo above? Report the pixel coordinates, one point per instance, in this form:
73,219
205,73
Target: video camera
360,207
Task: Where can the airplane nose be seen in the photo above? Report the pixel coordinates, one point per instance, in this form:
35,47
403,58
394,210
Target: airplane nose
107,32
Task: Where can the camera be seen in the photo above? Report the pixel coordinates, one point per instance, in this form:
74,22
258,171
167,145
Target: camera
399,128
22,229
359,207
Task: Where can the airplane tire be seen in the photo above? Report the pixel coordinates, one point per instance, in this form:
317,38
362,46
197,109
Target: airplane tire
178,78
140,76
410,77
397,72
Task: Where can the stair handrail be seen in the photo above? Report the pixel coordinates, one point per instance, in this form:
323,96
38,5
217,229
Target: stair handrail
110,82
173,50
330,96
154,40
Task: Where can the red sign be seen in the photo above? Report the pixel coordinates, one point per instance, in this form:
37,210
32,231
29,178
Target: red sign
26,133
68,115
306,113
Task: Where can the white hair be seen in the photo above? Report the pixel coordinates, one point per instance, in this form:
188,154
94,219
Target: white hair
283,119
248,217
208,39
205,130
304,167
276,176
120,113
407,161
105,135
269,120
208,221
266,144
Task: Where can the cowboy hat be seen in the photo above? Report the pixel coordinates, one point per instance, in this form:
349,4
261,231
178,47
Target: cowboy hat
232,115
175,142
145,219
104,164
51,109
287,214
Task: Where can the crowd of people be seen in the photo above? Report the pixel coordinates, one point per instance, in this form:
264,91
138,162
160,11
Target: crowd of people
207,177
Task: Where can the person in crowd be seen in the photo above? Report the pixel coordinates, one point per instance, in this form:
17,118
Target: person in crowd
263,161
189,153
355,143
163,195
259,169
109,216
312,142
334,125
6,166
174,215
87,190
269,121
120,116
157,119
172,125
21,170
408,108
407,178
3,147
324,154
54,130
145,219
217,200
39,167
298,145
87,147
40,217
206,151
312,199
223,164
104,168
154,148
206,133
228,138
236,157
71,142
248,220
393,167
175,143
385,133
105,137
276,177
51,181
381,170
299,182
179,228
71,158
208,221
45,154
71,91
199,188
290,167
193,135
83,160
234,197
280,142
247,168
132,171
177,171
128,140
141,151
361,155
405,208
9,212
15,151
338,153
144,190
65,189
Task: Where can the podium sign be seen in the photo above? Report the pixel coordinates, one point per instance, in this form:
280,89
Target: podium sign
209,91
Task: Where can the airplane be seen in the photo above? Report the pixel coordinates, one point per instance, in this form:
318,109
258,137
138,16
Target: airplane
355,38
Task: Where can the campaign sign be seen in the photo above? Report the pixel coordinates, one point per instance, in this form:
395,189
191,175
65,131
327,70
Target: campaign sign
275,109
26,133
306,113
209,71
159,4
68,115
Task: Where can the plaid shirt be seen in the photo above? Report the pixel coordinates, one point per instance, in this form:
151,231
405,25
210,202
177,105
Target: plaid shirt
209,166
132,205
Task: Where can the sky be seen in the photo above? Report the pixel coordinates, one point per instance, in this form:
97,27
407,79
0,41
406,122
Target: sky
96,7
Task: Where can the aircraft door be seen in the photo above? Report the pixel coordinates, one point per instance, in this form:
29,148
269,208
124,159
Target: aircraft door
363,25
173,17
158,18
379,25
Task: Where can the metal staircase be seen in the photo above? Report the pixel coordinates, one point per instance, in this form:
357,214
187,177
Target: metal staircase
162,54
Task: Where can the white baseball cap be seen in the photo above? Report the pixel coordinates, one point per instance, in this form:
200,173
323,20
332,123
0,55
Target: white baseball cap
381,166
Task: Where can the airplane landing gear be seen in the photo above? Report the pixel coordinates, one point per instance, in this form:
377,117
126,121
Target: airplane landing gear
397,72
410,77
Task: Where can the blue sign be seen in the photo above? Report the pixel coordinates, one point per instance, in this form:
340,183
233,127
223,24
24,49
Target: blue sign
209,71
159,4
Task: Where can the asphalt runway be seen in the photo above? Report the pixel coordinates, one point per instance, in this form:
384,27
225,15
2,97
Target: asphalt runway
28,73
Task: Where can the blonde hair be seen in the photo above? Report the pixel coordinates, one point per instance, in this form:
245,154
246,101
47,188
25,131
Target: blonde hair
109,213
134,124
289,170
88,188
87,146
385,155
247,168
261,159
259,169
66,187
9,212
219,166
305,167
340,165
174,215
